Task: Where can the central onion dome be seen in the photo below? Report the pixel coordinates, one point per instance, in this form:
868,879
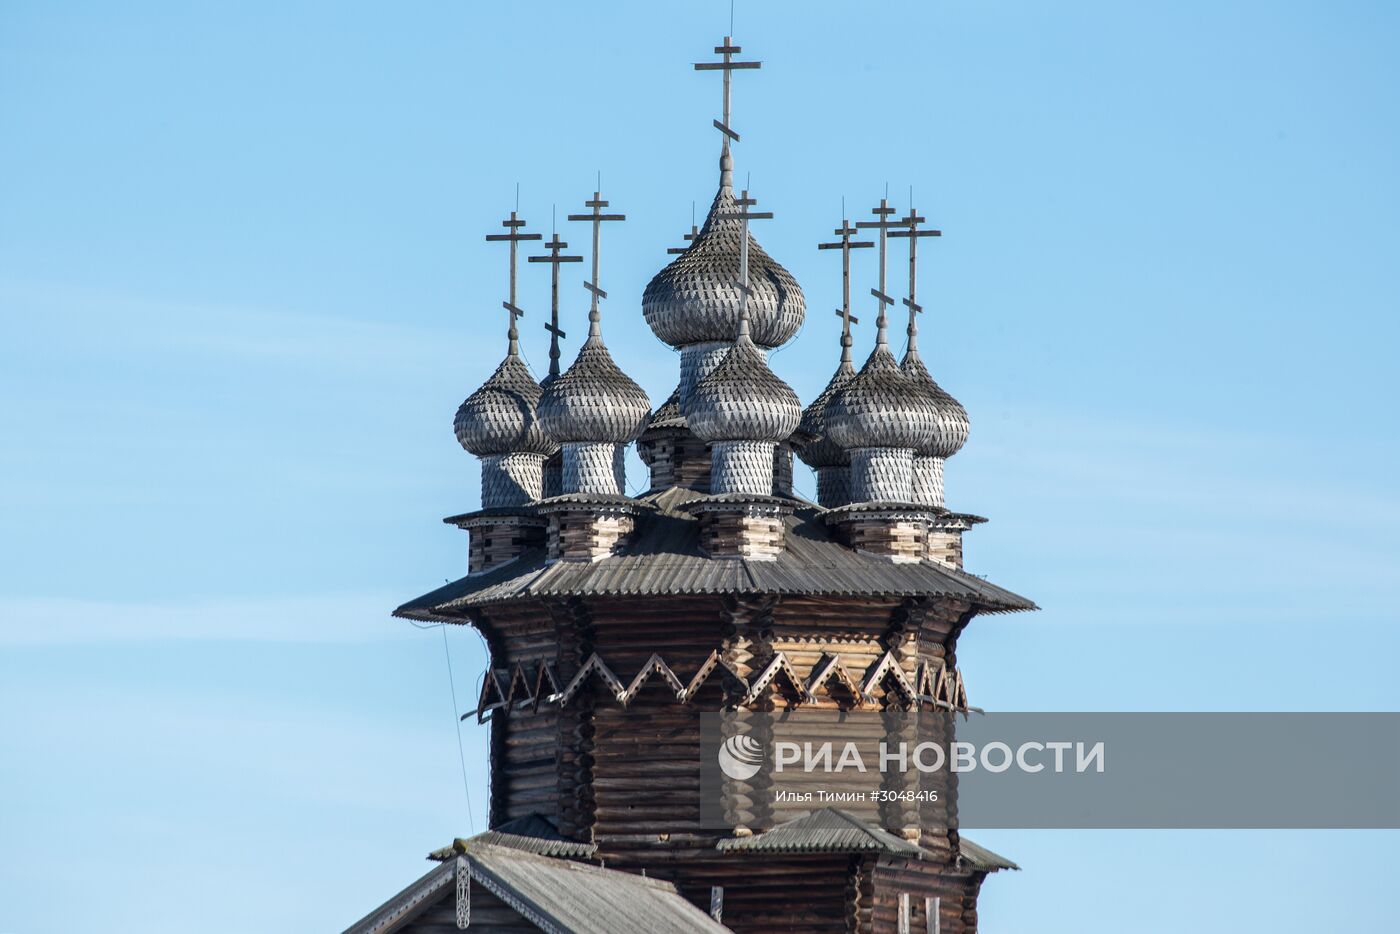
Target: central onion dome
880,408
696,298
742,399
950,422
501,417
593,401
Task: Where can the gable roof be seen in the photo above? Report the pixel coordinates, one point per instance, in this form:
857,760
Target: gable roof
555,895
664,557
979,857
828,830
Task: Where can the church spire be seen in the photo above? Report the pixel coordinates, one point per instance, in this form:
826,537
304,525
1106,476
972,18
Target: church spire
513,224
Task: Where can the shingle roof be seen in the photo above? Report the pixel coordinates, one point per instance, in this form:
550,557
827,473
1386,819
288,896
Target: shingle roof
576,898
557,896
979,857
533,833
664,557
828,830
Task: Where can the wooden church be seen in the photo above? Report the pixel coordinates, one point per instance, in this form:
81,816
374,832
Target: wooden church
617,624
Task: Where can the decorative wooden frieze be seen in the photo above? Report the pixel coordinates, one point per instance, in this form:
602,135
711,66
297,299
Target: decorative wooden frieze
885,683
742,526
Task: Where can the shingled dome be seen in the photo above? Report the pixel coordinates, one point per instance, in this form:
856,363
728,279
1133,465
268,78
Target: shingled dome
593,400
697,297
820,450
501,417
742,399
880,408
950,423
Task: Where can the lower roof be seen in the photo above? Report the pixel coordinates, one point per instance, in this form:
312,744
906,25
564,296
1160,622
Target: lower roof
663,557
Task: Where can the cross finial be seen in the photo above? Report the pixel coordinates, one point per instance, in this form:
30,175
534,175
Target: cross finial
513,224
911,223
845,245
728,66
883,225
597,217
744,214
554,257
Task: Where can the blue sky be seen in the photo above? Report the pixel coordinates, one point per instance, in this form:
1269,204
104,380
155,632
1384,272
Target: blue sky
244,288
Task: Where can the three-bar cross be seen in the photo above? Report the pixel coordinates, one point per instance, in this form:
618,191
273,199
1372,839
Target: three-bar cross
597,217
728,66
515,237
845,245
884,224
911,224
554,257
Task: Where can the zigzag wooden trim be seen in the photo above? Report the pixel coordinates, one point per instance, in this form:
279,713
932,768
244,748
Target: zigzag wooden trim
491,688
653,666
888,667
776,666
546,685
715,660
828,667
525,696
594,664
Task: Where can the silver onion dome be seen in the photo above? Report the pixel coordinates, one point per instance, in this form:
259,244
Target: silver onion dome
950,422
880,408
742,399
818,449
696,298
593,400
501,417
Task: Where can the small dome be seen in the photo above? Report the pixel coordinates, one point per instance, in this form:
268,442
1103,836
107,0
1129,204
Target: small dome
696,297
950,424
820,450
501,417
742,399
593,400
880,408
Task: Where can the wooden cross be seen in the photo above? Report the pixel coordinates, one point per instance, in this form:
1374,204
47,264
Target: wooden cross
597,217
728,66
884,224
845,245
515,237
745,215
554,257
911,222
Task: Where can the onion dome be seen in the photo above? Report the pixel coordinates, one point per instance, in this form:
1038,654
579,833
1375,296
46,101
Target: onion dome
879,408
501,417
950,422
742,399
696,298
819,450
593,400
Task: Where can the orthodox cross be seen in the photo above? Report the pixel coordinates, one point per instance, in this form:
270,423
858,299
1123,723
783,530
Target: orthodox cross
845,245
597,217
911,223
515,237
744,214
554,257
884,224
728,66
